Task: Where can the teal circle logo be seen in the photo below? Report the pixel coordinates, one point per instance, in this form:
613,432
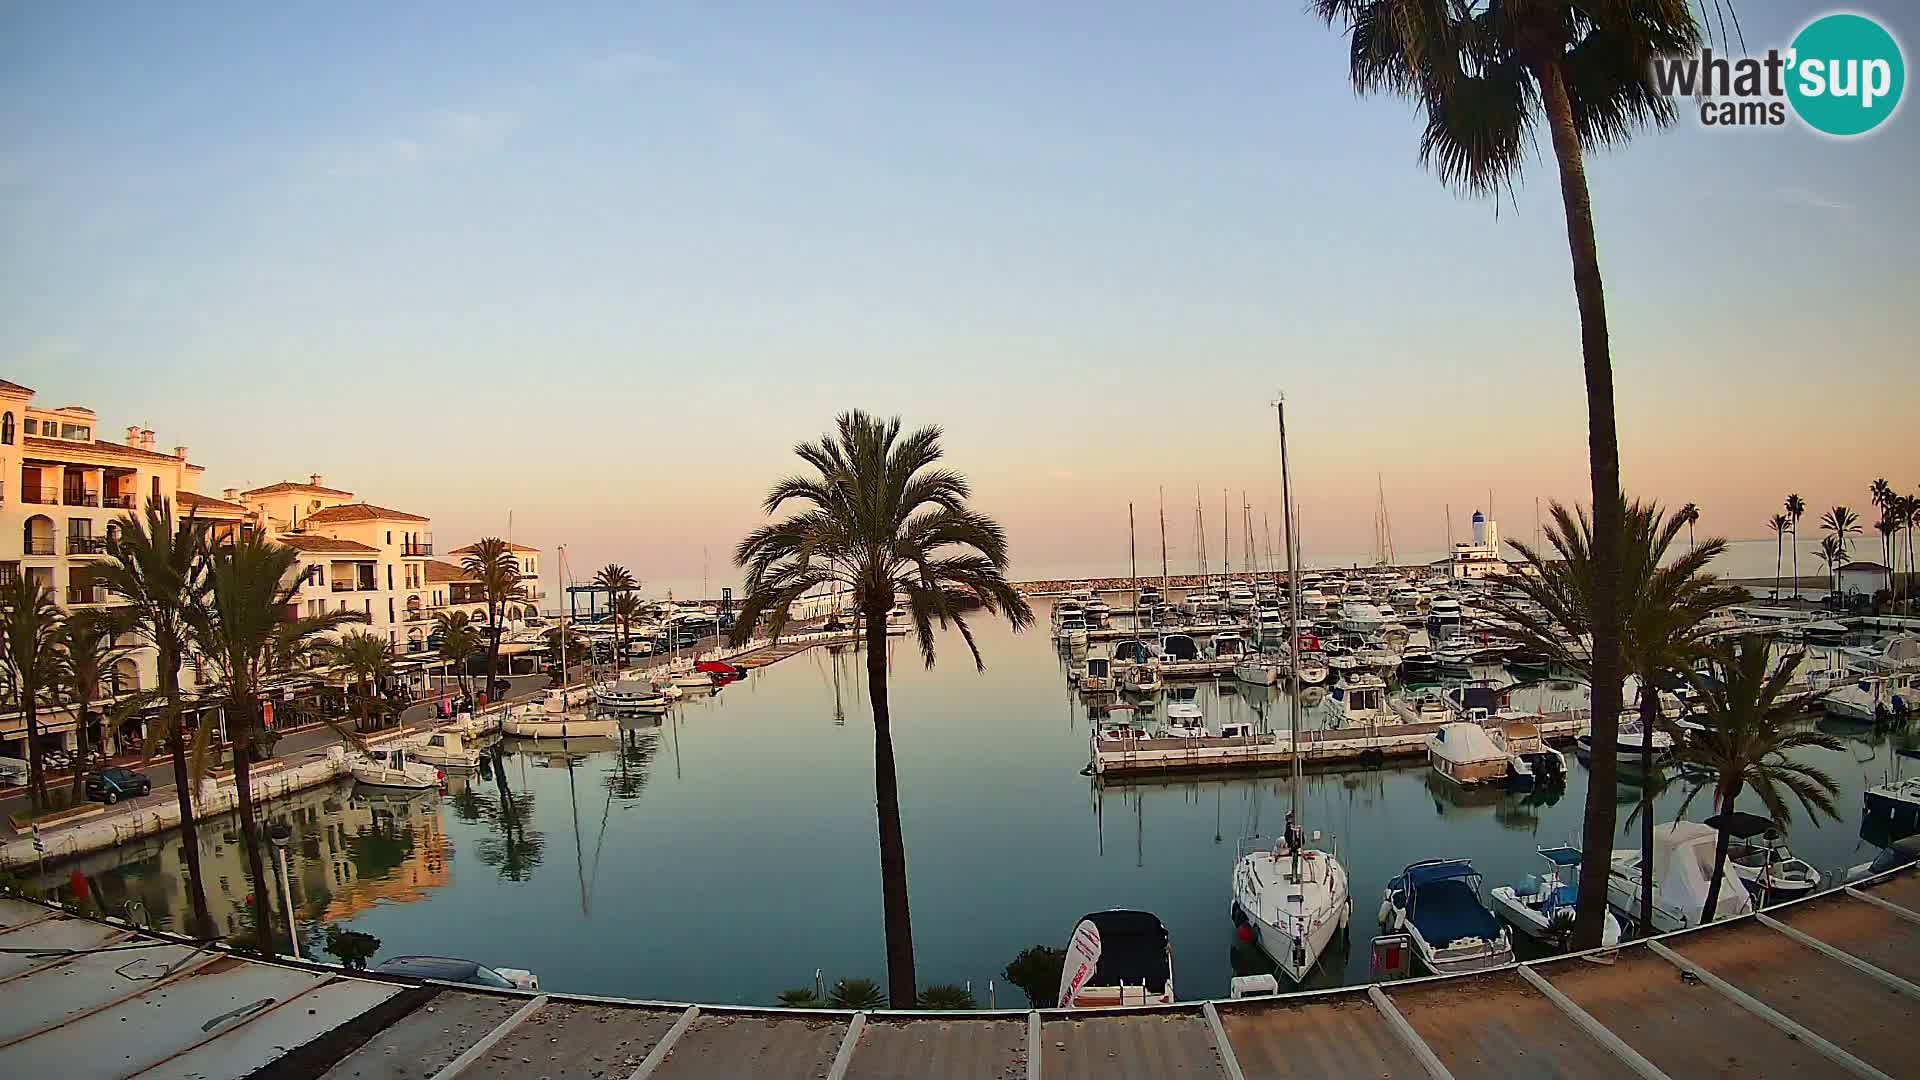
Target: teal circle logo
1847,75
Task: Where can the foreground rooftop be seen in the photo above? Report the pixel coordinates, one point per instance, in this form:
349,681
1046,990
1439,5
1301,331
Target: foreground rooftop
1826,986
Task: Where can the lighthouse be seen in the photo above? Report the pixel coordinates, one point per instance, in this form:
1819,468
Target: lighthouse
1479,529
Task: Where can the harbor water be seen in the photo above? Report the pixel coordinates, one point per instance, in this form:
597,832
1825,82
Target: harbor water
727,851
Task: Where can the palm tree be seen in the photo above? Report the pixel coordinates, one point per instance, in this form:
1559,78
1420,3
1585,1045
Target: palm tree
459,640
618,582
158,566
1666,607
1486,76
490,563
1796,508
89,650
1909,508
627,609
1749,743
1833,556
365,658
882,521
30,630
1689,516
1889,529
1841,523
1779,523
248,635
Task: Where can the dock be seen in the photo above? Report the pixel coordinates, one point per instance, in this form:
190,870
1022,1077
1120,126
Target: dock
1341,746
1824,986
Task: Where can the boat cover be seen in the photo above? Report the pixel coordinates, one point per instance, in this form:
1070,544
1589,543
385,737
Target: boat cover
1449,910
1564,855
1133,950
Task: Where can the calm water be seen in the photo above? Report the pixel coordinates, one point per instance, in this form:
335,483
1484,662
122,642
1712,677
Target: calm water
728,853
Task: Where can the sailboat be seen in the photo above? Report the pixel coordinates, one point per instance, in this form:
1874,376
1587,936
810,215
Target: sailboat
1290,899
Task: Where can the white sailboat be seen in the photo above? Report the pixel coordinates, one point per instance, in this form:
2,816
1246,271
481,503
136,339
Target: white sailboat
1290,899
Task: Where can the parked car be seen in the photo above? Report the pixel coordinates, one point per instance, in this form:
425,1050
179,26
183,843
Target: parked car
112,785
451,969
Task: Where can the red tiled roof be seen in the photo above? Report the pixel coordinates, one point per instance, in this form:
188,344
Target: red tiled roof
289,485
14,386
111,449
440,573
193,500
358,512
327,545
471,548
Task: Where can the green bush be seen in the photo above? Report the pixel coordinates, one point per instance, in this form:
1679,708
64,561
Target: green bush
856,994
947,996
1036,971
803,998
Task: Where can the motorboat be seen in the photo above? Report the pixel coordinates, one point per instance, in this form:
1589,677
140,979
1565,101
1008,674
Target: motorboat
1874,698
393,768
1362,617
1464,753
1683,866
1179,648
1310,666
1542,906
1120,726
1417,664
632,692
1758,856
1437,904
1142,679
1444,613
1360,702
1896,803
1117,958
1290,901
1631,745
1530,761
1099,669
1241,597
1184,720
446,748
1258,670
1228,645
550,715
1423,706
1099,612
1239,729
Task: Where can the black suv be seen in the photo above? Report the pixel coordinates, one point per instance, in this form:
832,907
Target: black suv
112,785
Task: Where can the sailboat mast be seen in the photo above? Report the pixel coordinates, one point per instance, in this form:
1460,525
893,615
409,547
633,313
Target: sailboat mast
1163,545
1293,608
1133,559
1226,544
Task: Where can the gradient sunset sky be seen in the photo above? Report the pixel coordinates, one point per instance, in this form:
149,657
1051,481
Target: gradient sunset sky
605,265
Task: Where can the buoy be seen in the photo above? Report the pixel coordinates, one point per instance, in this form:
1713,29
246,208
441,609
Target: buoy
1244,933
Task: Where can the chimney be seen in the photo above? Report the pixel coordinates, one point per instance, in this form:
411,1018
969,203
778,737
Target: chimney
314,479
180,452
230,494
146,439
133,435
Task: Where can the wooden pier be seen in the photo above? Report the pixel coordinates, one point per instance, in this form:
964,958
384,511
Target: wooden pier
1827,986
1317,749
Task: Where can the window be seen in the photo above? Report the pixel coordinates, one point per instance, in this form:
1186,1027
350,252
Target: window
6,429
33,426
156,489
389,536
389,568
390,617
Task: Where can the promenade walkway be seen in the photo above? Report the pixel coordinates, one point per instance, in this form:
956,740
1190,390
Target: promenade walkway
1828,986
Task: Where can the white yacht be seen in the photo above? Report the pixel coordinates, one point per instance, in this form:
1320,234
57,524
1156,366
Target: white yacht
1542,906
1360,702
632,691
1630,746
1117,958
1437,904
1241,597
446,748
1258,671
1683,865
1184,720
1142,678
1423,706
1466,754
547,715
1099,612
1292,901
1070,623
1874,697
1758,855
1099,670
1227,645
393,768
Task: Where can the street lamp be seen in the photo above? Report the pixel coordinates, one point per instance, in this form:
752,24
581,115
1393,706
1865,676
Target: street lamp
281,836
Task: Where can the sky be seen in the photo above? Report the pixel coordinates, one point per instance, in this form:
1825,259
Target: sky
601,267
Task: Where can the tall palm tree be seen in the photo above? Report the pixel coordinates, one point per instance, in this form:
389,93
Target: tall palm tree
1842,524
490,563
1486,76
883,521
363,657
89,649
1689,515
1889,529
618,582
627,609
1796,508
1750,741
1779,523
1833,555
459,640
158,565
30,629
1666,606
247,633
1909,507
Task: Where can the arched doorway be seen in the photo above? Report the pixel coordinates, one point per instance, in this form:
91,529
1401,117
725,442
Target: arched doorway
37,535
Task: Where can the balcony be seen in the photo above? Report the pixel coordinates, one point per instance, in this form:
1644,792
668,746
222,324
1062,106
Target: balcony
86,545
76,497
87,594
416,547
40,498
39,545
9,575
117,502
343,586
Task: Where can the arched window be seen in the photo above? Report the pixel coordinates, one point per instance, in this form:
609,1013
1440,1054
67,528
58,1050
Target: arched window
6,429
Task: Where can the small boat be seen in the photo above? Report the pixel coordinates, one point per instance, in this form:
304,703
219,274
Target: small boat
1362,702
1466,754
897,624
1530,761
721,669
1117,958
393,769
1897,802
1418,665
1228,645
1291,901
1184,721
1238,729
1258,671
1099,670
1423,706
1758,855
547,715
1874,697
1631,744
1542,906
1142,679
1683,865
444,749
630,692
1437,904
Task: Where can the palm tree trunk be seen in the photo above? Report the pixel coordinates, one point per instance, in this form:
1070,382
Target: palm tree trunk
183,793
37,773
1719,857
81,749
1796,562
1603,449
901,990
1649,718
1778,552
241,714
